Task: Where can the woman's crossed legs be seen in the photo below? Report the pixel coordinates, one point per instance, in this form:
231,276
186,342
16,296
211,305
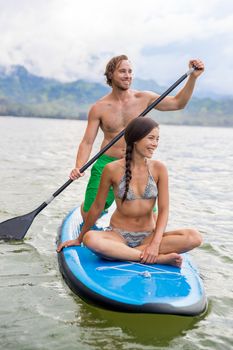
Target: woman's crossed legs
112,245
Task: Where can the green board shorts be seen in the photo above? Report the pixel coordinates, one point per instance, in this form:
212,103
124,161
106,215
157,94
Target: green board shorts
94,181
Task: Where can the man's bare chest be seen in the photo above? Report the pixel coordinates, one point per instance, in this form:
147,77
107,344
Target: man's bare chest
116,118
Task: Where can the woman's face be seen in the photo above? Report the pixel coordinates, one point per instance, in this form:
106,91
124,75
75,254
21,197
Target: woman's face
148,144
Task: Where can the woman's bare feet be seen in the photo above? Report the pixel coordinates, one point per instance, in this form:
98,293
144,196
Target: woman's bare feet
173,259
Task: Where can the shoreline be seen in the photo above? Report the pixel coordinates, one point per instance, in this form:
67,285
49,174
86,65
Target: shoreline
189,123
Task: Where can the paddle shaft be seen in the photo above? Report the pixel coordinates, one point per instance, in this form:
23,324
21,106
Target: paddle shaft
114,140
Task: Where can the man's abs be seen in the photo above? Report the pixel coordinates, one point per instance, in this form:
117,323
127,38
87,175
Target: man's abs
117,150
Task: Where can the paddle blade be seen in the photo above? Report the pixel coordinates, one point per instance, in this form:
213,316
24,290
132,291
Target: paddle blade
16,228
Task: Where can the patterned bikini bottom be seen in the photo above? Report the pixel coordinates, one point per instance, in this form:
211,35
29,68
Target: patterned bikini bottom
133,239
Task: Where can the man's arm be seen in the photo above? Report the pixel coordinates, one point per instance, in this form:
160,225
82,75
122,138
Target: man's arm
180,100
85,147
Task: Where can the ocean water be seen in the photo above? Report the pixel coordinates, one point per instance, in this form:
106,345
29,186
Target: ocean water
37,309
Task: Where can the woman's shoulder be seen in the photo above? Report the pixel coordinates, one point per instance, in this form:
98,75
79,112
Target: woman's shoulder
157,165
158,169
117,166
114,170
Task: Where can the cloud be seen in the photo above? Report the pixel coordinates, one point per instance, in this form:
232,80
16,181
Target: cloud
71,39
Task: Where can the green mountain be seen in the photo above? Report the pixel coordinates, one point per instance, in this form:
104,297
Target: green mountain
25,94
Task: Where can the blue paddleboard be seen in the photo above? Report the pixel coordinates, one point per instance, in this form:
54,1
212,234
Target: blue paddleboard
128,286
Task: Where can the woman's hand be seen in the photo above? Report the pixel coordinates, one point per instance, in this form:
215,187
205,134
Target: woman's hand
150,253
65,244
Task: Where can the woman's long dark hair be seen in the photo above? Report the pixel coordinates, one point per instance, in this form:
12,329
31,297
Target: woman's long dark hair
135,131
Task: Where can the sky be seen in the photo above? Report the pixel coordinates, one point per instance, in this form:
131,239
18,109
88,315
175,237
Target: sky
73,39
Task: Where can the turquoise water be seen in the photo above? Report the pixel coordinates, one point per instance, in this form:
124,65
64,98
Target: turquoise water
38,311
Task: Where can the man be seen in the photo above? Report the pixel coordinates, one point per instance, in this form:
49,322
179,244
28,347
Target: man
114,111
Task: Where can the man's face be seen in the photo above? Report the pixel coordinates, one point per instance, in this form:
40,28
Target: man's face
122,76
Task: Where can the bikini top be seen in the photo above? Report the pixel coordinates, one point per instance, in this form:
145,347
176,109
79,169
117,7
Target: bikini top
151,190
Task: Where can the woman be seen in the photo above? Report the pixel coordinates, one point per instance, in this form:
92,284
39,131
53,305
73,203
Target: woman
137,181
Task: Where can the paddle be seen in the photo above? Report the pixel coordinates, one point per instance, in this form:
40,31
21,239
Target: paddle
16,228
